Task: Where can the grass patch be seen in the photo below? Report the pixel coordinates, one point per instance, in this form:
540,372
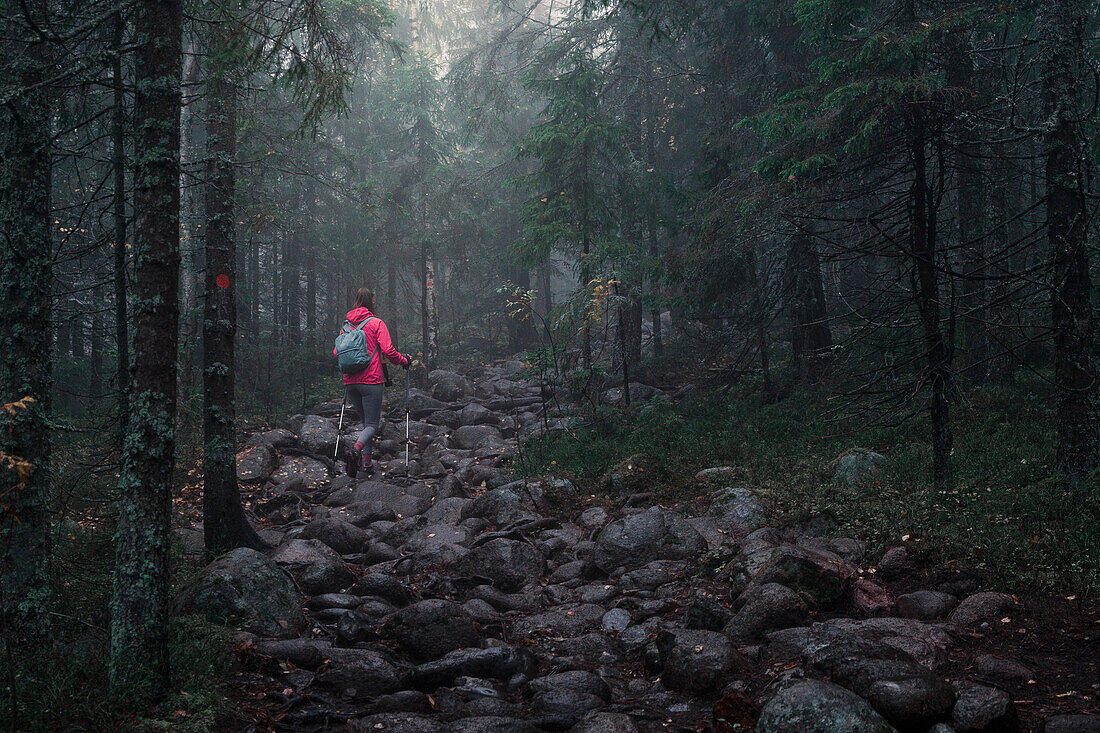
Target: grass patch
1005,514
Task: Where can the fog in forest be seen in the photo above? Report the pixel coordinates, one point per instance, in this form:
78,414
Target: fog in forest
751,313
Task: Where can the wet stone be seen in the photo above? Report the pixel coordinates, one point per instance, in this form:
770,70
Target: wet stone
981,608
256,463
316,566
698,662
1072,724
616,620
247,587
925,605
428,629
655,534
502,663
819,707
981,709
708,614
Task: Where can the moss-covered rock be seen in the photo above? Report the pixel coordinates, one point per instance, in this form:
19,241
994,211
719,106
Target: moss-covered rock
244,587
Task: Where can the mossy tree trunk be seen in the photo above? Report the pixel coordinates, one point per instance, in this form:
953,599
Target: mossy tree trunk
139,618
25,349
1063,28
224,523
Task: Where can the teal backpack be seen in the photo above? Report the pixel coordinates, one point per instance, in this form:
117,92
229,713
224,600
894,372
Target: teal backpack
351,348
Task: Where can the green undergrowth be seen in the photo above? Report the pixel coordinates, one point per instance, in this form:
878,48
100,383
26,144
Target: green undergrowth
65,687
1005,515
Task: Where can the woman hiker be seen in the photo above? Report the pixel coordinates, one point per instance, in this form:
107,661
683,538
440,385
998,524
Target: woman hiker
364,387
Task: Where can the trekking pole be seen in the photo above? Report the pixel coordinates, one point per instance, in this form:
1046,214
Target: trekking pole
343,403
408,383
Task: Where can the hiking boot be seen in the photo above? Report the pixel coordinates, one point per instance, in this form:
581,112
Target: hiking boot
352,460
366,467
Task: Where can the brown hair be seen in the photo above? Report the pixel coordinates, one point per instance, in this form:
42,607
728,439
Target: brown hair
365,299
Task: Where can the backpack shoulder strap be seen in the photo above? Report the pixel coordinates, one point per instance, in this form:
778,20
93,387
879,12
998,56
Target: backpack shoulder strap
364,323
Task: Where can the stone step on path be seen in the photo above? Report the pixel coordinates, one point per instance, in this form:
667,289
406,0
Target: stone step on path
452,598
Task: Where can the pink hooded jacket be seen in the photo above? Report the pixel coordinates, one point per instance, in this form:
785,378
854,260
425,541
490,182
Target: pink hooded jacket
378,340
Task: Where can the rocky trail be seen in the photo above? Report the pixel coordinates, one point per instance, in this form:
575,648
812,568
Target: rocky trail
458,597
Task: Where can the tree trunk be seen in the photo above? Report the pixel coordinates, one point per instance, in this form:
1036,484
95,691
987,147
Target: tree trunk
546,292
118,214
1062,34
971,221
25,334
391,289
761,317
190,265
292,285
521,332
811,339
95,379
254,288
632,331
224,523
922,227
139,619
311,294
429,315
276,298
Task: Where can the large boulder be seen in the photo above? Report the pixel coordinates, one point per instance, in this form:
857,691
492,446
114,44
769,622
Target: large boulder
341,536
655,534
420,402
566,697
857,467
879,638
566,621
318,435
698,662
766,608
638,393
981,709
925,605
427,630
478,414
367,491
316,566
309,473
737,510
981,608
256,463
819,707
904,693
820,576
500,663
383,586
360,673
448,386
508,564
276,438
245,586
471,437
499,506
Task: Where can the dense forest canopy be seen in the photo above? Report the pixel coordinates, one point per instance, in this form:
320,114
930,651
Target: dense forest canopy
881,209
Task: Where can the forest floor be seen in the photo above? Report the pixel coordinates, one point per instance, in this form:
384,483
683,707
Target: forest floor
463,596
